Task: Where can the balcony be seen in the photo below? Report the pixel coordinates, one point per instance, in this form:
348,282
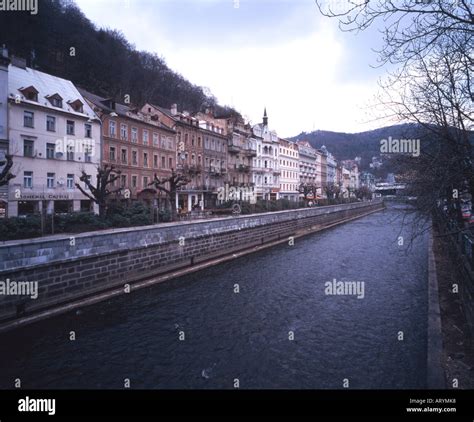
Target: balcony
217,172
243,168
233,149
191,169
250,152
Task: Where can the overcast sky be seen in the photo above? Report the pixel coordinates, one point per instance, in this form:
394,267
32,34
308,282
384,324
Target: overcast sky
254,53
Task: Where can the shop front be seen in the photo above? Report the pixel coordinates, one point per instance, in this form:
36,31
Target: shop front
23,203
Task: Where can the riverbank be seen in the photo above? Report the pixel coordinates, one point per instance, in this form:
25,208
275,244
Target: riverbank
458,344
73,272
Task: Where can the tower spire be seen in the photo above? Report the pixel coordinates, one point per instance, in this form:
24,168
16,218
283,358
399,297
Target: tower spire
265,117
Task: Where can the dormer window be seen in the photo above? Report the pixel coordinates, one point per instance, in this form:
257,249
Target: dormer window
55,100
109,103
30,93
77,106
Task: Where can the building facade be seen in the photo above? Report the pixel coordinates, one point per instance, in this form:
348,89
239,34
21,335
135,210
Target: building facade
241,150
289,168
189,152
266,169
136,145
53,135
215,157
331,165
307,163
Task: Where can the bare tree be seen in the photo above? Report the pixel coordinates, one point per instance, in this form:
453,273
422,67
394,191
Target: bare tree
332,190
170,186
5,173
411,28
432,42
307,189
99,193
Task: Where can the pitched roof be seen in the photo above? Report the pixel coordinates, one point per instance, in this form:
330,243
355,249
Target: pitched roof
47,85
121,109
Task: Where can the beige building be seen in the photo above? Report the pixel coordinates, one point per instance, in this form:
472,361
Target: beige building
53,136
289,168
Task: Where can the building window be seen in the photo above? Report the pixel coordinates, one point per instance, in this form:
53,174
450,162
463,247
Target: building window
28,148
28,179
112,129
50,148
123,180
155,140
88,154
70,153
163,162
134,181
88,130
29,119
70,181
123,132
134,135
112,154
145,182
50,180
155,161
51,124
134,158
145,159
124,156
170,162
145,137
70,127
31,95
57,102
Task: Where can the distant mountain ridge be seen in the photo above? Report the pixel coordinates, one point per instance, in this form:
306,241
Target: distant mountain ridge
345,146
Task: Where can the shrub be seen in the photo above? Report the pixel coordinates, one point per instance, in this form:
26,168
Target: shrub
15,228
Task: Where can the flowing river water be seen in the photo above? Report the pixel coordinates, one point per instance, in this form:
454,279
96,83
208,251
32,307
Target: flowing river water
265,319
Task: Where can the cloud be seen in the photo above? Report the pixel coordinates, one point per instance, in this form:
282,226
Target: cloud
281,55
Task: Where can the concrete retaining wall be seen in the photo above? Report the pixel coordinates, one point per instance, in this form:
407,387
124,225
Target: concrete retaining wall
68,268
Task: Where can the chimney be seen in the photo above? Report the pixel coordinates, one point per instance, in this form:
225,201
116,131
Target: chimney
4,59
174,109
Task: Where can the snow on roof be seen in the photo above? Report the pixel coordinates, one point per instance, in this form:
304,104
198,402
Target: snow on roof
46,85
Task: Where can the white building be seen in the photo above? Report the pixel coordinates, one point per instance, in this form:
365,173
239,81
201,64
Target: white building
307,163
266,171
53,136
289,168
331,166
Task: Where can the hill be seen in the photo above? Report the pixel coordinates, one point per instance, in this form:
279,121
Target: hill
345,146
61,40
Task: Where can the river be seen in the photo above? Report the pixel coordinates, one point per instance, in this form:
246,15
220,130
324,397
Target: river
264,319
